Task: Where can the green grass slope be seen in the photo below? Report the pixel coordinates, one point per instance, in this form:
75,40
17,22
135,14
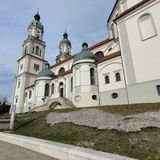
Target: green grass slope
144,145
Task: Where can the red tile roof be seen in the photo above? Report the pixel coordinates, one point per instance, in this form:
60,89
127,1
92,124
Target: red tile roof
63,74
90,48
100,43
67,59
108,57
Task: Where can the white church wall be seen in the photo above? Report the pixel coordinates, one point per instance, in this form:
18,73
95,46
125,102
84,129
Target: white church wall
144,54
22,66
29,99
85,94
107,48
32,63
110,68
102,48
67,66
131,3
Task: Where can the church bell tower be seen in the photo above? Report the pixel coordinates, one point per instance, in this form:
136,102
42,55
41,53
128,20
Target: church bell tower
64,48
30,63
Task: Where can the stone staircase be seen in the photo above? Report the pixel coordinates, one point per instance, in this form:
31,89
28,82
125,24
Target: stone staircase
4,122
53,102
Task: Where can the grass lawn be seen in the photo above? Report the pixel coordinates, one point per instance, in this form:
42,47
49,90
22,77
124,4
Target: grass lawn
144,145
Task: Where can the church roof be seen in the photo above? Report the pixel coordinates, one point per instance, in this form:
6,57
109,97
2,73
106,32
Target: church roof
85,53
100,43
46,72
132,9
108,57
36,22
65,39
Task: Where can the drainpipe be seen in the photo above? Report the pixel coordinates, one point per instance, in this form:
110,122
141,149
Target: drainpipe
99,101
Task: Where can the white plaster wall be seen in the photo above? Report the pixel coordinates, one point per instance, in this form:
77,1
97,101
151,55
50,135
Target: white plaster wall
83,88
22,62
29,102
40,88
145,54
67,66
31,65
110,68
131,3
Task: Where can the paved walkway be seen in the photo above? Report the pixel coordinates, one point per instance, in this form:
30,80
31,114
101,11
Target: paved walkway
13,152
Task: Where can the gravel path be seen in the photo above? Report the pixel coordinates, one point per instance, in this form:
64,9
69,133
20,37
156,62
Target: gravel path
102,120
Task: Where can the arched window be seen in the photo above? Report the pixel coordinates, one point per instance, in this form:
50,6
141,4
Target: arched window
113,31
19,83
61,89
16,100
33,50
37,50
71,84
61,70
25,50
99,54
46,92
26,95
30,94
92,76
107,80
146,26
52,88
118,77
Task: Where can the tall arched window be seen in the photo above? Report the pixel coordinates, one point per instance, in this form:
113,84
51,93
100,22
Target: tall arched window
118,77
113,31
146,26
19,83
30,94
52,88
25,50
71,84
61,70
33,50
92,76
107,80
37,50
46,92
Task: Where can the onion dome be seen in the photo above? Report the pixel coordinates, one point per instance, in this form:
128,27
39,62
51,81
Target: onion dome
46,72
36,22
65,40
84,54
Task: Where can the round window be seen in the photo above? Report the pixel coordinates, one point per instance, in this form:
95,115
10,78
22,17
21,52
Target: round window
114,95
94,97
77,98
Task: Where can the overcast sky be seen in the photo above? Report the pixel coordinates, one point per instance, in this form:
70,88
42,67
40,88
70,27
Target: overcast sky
85,20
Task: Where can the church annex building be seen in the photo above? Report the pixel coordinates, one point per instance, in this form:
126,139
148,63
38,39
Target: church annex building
122,69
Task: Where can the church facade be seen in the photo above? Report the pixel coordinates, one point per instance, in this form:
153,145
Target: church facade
122,69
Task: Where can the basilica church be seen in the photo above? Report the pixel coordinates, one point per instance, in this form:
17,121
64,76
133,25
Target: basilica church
122,69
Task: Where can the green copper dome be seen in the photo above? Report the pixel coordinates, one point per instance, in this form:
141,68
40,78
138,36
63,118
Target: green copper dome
36,22
84,54
46,72
65,40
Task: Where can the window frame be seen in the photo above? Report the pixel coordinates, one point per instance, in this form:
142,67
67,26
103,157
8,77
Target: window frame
118,79
107,82
92,76
153,25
